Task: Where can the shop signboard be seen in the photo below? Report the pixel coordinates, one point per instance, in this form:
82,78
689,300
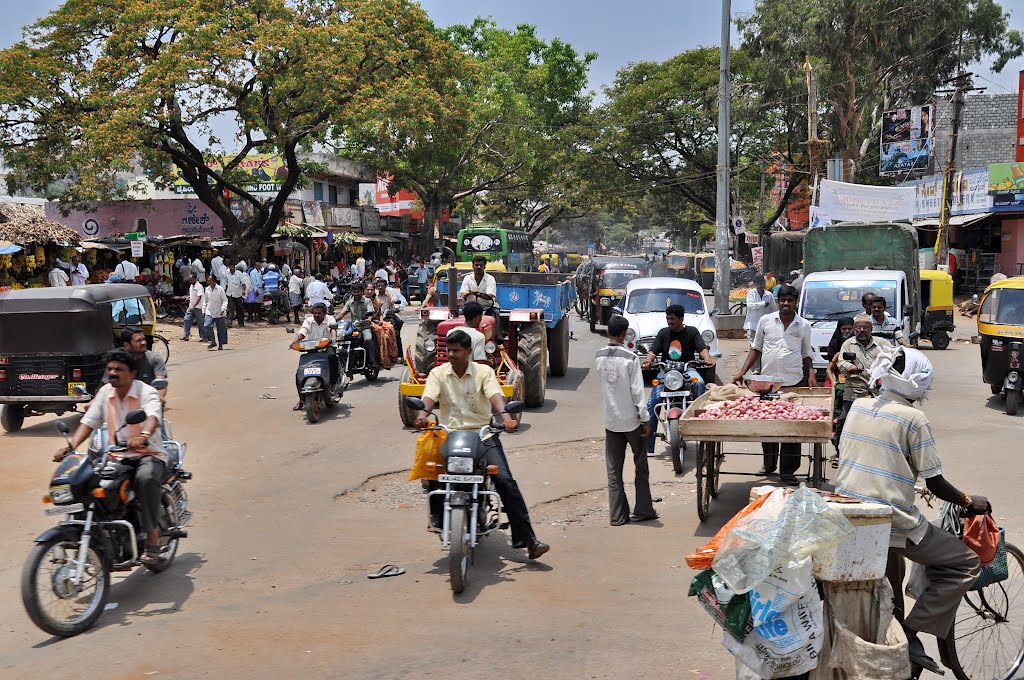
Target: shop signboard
1006,185
164,218
844,201
313,213
907,141
264,173
970,193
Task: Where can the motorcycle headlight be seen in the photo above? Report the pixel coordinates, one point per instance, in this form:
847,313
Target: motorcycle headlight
490,347
61,494
606,302
630,335
460,465
673,380
430,345
708,337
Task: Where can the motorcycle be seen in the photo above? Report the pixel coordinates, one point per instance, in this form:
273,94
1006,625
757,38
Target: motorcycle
472,508
65,583
675,398
275,305
352,354
314,381
170,306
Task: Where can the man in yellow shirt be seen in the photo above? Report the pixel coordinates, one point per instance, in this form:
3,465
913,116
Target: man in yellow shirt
468,393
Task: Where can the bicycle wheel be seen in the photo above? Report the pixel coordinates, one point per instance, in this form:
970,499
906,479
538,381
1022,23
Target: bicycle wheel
161,346
987,640
738,308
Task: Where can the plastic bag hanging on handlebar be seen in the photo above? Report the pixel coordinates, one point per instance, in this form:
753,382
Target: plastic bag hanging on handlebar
428,450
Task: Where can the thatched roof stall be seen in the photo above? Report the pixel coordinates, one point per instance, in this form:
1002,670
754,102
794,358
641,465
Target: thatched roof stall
24,224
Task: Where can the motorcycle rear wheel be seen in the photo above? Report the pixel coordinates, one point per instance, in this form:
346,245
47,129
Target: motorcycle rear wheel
171,550
313,409
459,552
371,373
54,557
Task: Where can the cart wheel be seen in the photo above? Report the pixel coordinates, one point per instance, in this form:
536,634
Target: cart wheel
703,492
714,469
817,465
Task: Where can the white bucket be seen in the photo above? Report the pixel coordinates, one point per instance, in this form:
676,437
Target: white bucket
863,557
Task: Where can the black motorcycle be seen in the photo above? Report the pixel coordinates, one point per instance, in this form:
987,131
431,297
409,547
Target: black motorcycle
275,305
472,508
353,355
65,583
170,307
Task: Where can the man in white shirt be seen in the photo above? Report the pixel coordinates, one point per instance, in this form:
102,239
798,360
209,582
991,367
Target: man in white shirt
759,303
625,422
58,277
195,309
783,344
474,313
317,326
360,266
126,270
79,273
479,285
318,292
215,309
236,288
216,264
200,270
381,274
295,293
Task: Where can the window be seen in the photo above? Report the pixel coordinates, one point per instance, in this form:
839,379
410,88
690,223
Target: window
332,193
140,225
318,191
1003,306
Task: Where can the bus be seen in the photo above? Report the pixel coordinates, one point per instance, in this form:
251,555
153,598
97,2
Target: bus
512,246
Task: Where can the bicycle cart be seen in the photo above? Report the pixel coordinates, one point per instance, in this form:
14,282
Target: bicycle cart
711,435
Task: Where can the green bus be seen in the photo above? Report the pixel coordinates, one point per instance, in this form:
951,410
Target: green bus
513,247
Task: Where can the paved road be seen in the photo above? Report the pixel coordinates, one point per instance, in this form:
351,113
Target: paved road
290,517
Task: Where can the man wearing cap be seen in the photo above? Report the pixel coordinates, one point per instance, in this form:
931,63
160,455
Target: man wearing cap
866,347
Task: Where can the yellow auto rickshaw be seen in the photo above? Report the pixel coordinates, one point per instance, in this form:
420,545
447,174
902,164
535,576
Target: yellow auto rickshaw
680,263
1001,327
705,269
937,307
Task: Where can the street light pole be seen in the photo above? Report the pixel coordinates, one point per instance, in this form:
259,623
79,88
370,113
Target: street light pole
722,269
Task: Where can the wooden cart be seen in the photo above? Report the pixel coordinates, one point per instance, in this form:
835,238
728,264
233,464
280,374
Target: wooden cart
710,435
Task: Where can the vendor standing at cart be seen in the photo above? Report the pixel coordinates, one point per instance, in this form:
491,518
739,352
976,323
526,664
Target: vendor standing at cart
782,342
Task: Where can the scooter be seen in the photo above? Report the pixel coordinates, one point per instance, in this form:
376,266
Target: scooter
318,385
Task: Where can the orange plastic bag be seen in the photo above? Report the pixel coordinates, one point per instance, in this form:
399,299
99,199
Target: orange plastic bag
428,450
705,555
981,534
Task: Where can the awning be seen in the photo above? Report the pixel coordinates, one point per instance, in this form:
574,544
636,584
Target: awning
299,230
8,248
375,238
954,220
96,245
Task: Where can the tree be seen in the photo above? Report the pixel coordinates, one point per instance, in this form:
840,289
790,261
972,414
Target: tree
871,55
503,108
99,90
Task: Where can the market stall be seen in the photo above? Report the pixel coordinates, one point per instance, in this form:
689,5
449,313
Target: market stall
29,242
761,414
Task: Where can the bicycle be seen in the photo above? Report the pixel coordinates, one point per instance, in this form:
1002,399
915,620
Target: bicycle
161,346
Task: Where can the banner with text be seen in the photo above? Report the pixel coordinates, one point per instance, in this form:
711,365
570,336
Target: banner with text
907,140
264,173
846,202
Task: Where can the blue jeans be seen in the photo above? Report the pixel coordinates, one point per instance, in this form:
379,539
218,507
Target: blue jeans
221,325
190,318
696,389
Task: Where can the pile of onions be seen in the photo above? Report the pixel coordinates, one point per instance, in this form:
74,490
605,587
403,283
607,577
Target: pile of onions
754,408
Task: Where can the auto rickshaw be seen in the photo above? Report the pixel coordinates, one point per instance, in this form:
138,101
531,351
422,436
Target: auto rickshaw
53,340
681,264
1001,327
705,270
608,287
937,307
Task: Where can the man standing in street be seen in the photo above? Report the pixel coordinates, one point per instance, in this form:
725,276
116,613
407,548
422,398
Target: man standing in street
422,281
360,267
195,309
58,277
759,303
625,413
783,345
215,310
318,292
197,265
866,347
126,270
79,273
295,293
468,393
235,290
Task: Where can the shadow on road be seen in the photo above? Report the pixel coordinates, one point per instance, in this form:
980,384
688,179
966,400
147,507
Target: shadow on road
571,381
495,561
548,407
732,497
998,403
45,426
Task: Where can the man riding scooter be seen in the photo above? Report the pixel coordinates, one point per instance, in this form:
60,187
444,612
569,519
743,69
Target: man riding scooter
317,327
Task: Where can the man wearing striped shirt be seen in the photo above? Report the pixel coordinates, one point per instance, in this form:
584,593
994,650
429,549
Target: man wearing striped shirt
886,445
625,411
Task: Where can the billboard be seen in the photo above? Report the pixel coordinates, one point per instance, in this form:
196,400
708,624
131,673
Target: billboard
844,202
264,172
1006,185
907,141
1020,117
402,203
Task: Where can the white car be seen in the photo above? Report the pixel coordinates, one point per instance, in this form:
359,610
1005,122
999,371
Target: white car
644,308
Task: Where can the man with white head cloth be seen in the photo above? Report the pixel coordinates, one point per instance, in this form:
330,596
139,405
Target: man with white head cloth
886,445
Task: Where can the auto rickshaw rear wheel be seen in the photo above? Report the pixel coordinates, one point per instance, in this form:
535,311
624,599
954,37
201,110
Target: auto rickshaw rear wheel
940,340
12,416
1012,402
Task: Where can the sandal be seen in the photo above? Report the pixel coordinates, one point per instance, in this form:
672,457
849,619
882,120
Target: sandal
152,554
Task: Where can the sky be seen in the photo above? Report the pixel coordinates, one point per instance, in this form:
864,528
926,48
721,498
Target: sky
620,32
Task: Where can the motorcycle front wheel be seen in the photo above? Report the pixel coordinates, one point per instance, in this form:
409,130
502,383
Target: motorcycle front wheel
48,592
675,446
459,552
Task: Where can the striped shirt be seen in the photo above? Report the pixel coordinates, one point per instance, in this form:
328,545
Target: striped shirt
622,381
886,445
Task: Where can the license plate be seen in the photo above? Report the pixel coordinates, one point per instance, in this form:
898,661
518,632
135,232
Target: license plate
311,370
669,395
66,509
72,386
461,479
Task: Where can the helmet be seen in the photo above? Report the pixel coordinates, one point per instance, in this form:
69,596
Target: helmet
272,267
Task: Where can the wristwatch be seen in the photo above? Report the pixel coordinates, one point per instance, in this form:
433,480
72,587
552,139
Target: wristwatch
146,434
967,500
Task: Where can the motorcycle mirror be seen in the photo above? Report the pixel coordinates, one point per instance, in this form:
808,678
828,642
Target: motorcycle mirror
289,330
514,406
849,356
416,403
136,417
63,428
159,384
333,326
81,391
914,336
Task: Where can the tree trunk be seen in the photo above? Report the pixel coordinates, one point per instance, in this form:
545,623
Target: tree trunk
431,209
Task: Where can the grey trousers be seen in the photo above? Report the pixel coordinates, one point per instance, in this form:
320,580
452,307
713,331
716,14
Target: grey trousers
615,457
951,569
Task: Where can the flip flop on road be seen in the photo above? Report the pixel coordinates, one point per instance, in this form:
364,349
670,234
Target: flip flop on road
387,570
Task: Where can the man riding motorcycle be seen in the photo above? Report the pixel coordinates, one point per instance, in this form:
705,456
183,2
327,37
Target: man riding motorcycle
317,327
355,310
467,393
149,365
124,393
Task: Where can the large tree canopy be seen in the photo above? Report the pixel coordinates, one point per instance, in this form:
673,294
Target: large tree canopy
101,89
504,107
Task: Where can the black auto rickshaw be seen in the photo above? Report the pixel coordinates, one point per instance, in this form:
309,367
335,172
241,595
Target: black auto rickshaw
937,307
607,285
1001,327
54,339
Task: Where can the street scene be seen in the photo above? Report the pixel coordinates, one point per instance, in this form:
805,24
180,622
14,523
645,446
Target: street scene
403,340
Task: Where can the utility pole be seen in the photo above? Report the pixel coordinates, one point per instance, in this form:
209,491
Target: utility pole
760,205
722,269
963,85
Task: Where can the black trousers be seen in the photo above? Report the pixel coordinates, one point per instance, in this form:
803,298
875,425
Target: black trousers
789,453
508,490
236,310
149,478
397,322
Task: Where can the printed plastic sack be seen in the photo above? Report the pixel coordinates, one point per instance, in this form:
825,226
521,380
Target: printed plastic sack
428,450
731,612
760,543
982,536
788,624
705,554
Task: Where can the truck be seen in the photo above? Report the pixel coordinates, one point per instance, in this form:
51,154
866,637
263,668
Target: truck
534,335
846,260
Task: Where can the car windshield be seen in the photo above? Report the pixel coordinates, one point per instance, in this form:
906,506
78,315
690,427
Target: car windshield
618,279
823,300
658,299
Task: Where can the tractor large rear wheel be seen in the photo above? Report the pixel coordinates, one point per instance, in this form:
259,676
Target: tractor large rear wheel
558,348
423,359
533,362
